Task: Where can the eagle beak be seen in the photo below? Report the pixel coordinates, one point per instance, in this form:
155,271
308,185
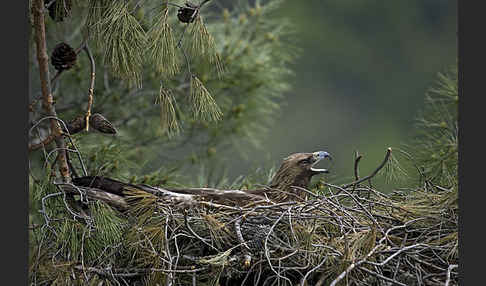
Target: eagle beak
318,156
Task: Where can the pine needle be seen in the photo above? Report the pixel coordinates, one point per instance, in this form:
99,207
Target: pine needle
436,145
162,45
168,116
202,44
124,40
393,170
97,11
203,104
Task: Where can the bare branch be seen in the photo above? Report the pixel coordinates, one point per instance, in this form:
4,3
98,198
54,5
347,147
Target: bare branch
42,58
387,156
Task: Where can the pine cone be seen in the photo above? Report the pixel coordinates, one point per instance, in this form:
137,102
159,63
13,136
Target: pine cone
100,123
185,14
60,9
63,57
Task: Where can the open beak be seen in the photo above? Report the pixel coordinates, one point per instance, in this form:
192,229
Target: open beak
318,156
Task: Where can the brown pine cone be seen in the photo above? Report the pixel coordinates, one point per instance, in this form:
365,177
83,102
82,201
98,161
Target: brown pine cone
63,57
100,123
60,9
188,14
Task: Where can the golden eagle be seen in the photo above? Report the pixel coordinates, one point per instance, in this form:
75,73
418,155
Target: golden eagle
295,170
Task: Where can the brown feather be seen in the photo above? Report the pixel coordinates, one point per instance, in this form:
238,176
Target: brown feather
295,170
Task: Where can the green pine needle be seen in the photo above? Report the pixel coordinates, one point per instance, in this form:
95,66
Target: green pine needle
393,171
168,116
124,42
203,104
202,45
437,144
162,46
96,12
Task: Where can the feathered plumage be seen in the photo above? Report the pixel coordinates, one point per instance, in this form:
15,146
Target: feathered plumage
295,170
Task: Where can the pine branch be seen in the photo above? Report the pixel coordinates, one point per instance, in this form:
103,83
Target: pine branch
162,46
124,42
203,104
168,116
42,58
203,46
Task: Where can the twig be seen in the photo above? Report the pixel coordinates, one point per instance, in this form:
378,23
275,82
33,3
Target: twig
195,234
381,276
396,253
92,83
387,156
304,279
267,251
169,277
449,270
356,162
179,42
379,244
43,211
135,271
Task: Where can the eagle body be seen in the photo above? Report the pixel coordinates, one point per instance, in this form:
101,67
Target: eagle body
296,170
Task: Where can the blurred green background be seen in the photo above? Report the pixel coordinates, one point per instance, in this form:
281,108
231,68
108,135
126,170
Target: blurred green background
360,79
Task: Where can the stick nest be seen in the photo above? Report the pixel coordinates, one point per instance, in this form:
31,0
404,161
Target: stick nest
353,235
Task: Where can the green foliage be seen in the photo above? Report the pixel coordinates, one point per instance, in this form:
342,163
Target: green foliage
436,148
203,105
168,116
123,40
202,46
106,159
162,47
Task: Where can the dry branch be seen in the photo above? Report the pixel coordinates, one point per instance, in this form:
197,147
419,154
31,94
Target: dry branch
387,156
42,58
91,85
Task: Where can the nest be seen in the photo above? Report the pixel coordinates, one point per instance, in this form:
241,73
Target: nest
351,236
354,237
348,235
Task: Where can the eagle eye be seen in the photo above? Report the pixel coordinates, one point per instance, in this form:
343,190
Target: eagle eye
305,161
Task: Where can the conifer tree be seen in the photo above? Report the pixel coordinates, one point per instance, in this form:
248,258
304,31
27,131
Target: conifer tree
120,86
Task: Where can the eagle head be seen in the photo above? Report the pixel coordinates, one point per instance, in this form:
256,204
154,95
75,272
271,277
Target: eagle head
297,170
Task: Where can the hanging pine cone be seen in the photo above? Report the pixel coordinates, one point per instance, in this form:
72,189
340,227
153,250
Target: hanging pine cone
100,123
63,57
59,9
188,14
